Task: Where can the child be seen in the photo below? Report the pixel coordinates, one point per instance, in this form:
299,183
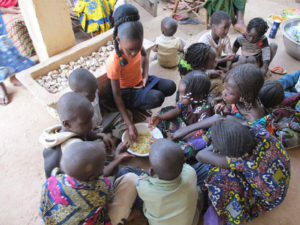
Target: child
82,192
255,46
218,39
75,113
241,89
85,83
192,107
199,56
132,87
170,192
167,46
271,94
249,173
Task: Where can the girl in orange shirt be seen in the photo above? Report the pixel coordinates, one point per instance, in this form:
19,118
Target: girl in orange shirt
131,85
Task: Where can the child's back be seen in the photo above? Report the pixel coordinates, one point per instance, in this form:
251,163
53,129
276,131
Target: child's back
81,195
171,197
167,45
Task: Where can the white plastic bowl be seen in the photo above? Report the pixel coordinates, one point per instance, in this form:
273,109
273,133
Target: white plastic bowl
142,128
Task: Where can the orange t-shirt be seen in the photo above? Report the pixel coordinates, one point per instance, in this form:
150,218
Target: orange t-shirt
129,75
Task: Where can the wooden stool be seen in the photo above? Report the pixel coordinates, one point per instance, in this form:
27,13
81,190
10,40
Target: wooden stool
198,5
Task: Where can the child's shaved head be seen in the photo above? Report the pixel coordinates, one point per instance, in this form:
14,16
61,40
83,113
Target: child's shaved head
83,82
75,113
166,159
83,160
169,26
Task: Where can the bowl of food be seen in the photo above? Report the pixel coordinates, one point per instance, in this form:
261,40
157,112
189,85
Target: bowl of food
145,138
291,37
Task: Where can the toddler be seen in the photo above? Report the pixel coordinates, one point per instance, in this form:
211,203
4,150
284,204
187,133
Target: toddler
167,46
132,86
249,172
218,39
255,46
170,192
82,192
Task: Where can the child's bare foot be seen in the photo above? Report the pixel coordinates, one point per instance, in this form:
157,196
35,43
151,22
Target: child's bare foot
15,81
3,94
240,27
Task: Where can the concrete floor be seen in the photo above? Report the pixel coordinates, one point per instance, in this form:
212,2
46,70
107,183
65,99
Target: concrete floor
23,120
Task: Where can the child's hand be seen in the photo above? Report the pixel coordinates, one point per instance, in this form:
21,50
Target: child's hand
145,81
153,122
219,108
120,152
132,132
107,141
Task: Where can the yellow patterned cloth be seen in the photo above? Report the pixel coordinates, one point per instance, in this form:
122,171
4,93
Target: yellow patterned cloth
66,200
94,15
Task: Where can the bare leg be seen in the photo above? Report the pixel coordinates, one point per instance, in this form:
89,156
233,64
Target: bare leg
252,60
240,24
3,94
14,80
242,60
273,47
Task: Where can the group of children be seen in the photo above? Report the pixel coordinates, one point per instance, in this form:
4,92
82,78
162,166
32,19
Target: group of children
219,155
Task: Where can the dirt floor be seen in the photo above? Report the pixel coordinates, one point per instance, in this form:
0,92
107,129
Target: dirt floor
23,120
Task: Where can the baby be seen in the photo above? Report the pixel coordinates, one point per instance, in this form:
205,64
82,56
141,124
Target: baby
168,46
82,192
170,192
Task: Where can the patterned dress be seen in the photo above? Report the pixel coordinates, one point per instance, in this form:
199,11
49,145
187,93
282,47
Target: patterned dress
66,200
265,121
189,115
254,184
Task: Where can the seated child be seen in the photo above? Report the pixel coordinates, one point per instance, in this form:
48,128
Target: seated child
167,46
284,117
132,86
199,56
192,107
249,173
75,113
82,192
291,83
85,83
241,90
218,39
170,192
255,46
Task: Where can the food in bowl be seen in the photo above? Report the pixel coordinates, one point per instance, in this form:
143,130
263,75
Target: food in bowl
142,146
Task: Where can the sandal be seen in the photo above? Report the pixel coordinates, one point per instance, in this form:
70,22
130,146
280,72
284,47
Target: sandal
278,70
4,99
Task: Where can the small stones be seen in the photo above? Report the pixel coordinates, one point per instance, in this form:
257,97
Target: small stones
57,80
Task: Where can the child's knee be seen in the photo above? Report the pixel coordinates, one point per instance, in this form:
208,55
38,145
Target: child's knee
251,59
273,48
157,99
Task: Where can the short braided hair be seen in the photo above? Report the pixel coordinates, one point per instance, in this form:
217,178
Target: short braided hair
197,56
197,83
124,14
232,139
271,94
249,79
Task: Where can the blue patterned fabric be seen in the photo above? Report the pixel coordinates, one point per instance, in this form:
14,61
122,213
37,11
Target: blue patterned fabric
11,61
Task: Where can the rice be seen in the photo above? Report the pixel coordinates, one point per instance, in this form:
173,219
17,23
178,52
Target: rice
142,146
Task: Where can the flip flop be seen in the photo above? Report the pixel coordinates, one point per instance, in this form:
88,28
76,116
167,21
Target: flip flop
3,100
188,20
278,70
